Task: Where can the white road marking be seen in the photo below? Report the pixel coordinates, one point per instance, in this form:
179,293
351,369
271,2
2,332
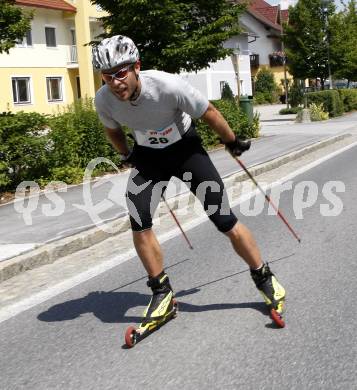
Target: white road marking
15,309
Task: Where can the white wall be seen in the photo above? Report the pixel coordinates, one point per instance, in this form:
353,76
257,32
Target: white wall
39,55
263,45
208,80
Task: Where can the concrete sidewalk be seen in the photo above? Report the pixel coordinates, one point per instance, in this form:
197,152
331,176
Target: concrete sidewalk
269,115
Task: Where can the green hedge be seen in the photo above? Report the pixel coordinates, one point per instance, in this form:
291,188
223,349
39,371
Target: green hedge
237,120
330,99
23,148
349,99
266,97
47,148
77,137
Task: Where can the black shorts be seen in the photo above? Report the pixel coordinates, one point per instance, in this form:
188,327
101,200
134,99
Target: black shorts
186,160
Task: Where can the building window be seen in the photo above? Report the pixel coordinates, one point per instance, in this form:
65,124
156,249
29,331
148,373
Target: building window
21,90
54,89
78,82
50,37
26,41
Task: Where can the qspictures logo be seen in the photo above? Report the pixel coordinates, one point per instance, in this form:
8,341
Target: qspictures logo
302,196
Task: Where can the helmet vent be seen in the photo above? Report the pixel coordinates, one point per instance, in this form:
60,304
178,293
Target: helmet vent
107,56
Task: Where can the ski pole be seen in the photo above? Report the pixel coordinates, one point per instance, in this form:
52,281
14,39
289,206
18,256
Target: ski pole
267,197
177,222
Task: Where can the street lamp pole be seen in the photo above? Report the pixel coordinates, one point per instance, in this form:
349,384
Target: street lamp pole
284,61
235,61
325,12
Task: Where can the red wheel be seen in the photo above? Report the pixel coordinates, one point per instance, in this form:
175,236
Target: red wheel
277,318
130,337
175,303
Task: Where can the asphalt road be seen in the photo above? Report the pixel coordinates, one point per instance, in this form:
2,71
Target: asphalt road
222,337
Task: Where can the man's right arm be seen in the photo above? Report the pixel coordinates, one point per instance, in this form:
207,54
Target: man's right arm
118,139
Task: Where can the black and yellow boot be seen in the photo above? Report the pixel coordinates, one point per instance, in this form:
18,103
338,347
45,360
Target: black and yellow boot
272,291
162,304
162,308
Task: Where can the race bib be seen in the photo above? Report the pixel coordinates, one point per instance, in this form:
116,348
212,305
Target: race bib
158,139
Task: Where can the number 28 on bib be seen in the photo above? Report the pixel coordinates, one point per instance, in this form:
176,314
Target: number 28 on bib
158,139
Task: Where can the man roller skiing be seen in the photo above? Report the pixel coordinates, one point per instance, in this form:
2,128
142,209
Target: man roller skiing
159,107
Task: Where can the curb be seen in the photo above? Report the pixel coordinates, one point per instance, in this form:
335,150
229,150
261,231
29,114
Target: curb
49,253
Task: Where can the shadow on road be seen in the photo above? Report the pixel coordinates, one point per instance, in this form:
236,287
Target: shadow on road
112,306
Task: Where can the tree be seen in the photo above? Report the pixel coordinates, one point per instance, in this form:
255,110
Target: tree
265,81
344,42
174,35
227,92
306,39
14,23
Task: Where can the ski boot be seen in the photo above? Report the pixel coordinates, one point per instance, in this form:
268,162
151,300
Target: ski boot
161,309
272,291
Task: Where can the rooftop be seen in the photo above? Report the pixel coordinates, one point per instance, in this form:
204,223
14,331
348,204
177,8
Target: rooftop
266,13
51,4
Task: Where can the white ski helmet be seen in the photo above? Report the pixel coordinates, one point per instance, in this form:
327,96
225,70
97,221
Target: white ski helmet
114,51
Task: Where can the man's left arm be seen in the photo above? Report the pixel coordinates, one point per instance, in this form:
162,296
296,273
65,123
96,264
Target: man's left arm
216,122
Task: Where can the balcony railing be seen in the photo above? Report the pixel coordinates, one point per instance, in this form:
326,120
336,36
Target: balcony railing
277,59
254,60
73,57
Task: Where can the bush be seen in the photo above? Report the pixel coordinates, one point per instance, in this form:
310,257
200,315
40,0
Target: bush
266,97
237,120
296,94
67,174
227,92
317,112
265,81
349,99
330,99
291,110
259,98
266,90
23,148
77,136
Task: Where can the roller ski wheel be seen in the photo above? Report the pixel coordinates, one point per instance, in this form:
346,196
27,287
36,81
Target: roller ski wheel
134,335
277,314
277,318
130,337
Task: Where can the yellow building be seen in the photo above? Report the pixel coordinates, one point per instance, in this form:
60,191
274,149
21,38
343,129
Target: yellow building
51,67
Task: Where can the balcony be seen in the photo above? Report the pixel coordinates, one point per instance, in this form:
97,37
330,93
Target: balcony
73,57
254,61
277,59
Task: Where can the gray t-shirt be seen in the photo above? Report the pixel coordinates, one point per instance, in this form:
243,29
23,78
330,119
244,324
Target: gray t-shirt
160,115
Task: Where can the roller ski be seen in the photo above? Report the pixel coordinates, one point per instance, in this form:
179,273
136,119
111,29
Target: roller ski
273,293
161,309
